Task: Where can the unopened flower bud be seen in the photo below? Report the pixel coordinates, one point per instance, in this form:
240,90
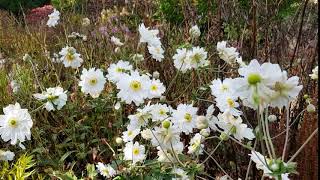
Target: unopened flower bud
194,31
156,75
204,132
311,108
272,118
202,122
166,124
224,136
119,140
163,98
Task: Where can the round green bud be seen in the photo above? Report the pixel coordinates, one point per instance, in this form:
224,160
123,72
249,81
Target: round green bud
254,79
166,124
224,136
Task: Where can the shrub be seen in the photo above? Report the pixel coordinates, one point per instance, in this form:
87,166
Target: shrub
15,6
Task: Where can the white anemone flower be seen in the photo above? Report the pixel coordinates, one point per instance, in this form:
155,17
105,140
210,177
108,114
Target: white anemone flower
228,54
6,155
197,57
117,70
149,36
70,57
285,90
194,31
225,87
15,124
160,112
228,103
55,98
180,60
156,52
133,88
92,82
130,134
233,126
146,134
165,156
141,117
116,41
156,88
195,145
167,137
106,170
185,117
254,87
53,18
134,152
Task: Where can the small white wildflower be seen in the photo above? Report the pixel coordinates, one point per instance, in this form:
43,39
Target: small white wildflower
6,155
55,98
194,31
92,82
105,170
85,22
53,18
116,41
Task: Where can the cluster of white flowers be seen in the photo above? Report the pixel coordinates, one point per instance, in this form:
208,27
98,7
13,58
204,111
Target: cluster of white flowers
193,58
133,86
53,18
55,98
154,44
228,54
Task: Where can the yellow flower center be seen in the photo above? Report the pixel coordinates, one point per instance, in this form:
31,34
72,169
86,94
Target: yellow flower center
224,87
188,117
196,57
130,133
136,151
162,112
13,123
154,88
119,70
135,85
93,82
230,102
106,171
70,57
